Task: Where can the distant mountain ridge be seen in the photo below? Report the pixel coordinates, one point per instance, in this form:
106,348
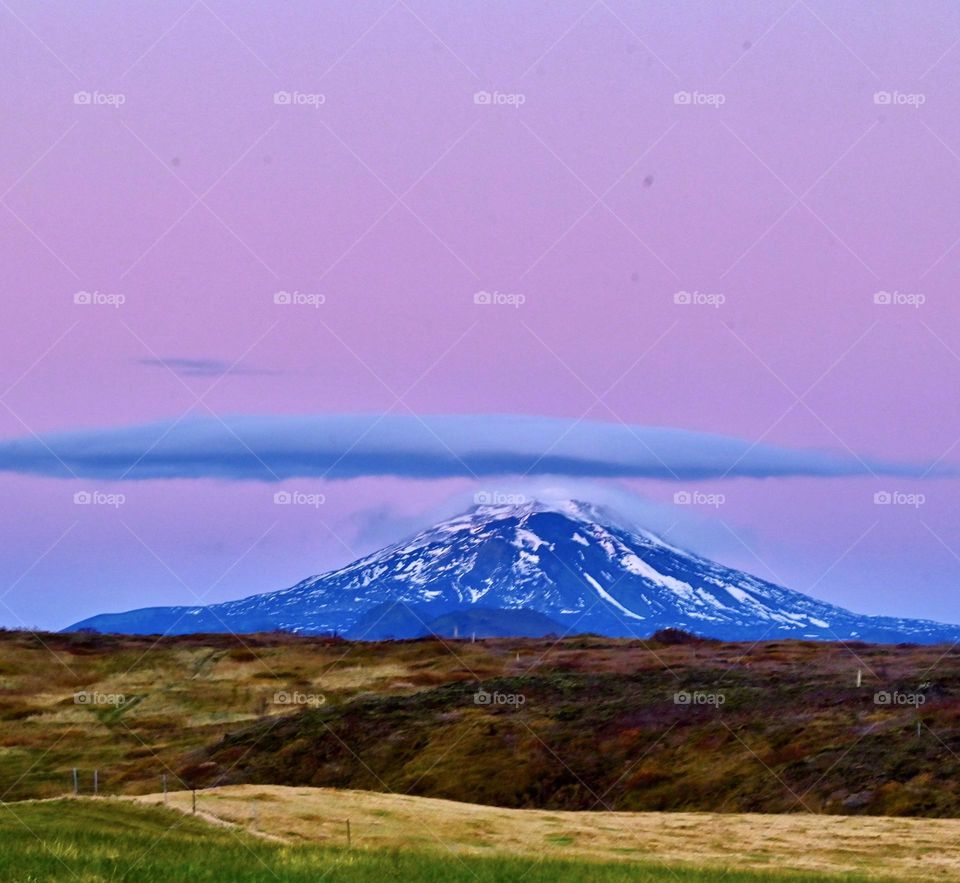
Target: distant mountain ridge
530,569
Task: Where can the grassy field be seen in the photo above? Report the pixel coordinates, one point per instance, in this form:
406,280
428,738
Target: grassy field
377,732
798,843
110,840
598,727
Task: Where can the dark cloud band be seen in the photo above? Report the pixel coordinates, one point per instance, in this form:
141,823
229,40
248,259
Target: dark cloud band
340,446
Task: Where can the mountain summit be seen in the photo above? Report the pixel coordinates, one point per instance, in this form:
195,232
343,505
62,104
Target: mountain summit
530,569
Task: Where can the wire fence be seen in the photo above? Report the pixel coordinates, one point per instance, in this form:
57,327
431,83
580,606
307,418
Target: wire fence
89,782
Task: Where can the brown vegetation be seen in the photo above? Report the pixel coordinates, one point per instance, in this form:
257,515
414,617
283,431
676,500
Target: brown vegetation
779,726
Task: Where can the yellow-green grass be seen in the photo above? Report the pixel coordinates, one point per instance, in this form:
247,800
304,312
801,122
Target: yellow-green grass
112,840
868,846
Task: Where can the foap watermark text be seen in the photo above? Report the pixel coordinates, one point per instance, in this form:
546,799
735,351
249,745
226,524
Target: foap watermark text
499,298
512,700
698,498
299,498
698,697
898,498
98,498
699,299
299,299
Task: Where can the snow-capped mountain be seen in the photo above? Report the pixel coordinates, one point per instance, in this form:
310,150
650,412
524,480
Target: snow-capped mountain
530,569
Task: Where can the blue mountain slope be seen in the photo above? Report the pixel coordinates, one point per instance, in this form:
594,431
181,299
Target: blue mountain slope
568,563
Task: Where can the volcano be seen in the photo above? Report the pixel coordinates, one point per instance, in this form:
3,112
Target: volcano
530,569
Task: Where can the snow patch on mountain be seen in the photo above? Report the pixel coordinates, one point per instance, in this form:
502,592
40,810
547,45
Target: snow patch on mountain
603,593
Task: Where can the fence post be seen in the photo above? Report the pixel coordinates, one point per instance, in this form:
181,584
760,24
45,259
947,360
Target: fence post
76,783
164,789
96,782
348,833
194,799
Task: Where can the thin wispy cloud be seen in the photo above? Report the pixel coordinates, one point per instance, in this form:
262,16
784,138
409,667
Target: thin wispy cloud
205,367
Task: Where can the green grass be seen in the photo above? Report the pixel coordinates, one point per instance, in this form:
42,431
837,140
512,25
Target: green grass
106,840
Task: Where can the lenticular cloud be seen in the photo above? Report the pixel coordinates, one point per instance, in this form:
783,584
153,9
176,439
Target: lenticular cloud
340,446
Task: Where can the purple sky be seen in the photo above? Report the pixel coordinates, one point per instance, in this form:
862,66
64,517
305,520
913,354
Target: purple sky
787,190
